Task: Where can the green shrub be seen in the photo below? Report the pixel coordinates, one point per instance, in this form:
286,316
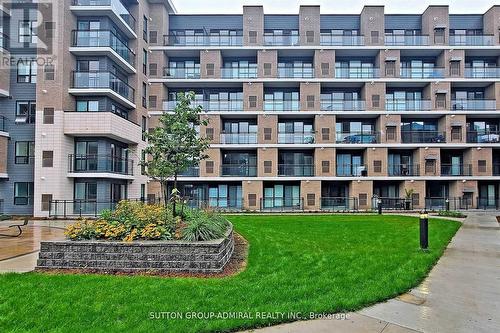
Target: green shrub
451,213
203,226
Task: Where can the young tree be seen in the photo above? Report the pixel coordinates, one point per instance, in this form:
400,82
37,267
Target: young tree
175,145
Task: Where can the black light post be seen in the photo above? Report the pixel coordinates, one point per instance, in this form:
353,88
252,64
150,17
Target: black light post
447,204
424,230
379,206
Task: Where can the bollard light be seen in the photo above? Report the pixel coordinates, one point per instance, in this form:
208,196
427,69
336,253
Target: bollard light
379,206
447,204
424,230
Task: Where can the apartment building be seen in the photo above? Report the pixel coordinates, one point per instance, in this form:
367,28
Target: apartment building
311,111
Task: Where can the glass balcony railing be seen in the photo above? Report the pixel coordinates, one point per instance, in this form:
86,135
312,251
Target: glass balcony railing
192,171
103,38
342,105
351,170
328,39
215,105
357,137
100,163
339,203
422,73
357,73
239,73
242,170
407,105
297,138
296,170
404,40
423,137
238,138
280,40
116,5
399,170
466,40
482,72
202,40
181,72
473,104
483,136
102,80
281,105
305,72
456,169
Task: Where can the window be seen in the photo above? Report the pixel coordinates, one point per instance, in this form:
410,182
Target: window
86,191
25,152
481,165
26,71
440,101
325,134
209,133
439,34
377,166
153,37
252,37
268,133
325,166
456,133
209,166
143,158
49,29
48,115
310,101
391,133
87,106
267,69
46,199
47,159
153,69
311,199
268,166
310,36
454,68
144,62
415,199
144,126
23,193
375,37
363,199
375,101
145,28
390,68
325,68
25,112
144,94
27,32
143,188
252,101
252,199
152,101
49,71
430,166
210,69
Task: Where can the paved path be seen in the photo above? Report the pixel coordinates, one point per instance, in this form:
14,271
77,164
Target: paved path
461,294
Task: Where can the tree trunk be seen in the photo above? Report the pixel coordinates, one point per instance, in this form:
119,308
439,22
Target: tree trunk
175,199
164,189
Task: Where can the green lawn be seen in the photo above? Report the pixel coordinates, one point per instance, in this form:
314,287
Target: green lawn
297,263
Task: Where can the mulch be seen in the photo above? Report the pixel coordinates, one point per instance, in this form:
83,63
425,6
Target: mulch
236,265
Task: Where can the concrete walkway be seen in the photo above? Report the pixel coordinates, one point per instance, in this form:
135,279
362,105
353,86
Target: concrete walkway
461,294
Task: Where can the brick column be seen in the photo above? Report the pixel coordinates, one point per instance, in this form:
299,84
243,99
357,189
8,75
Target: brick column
267,158
267,129
310,191
324,63
210,64
309,25
310,96
372,24
252,194
253,25
324,162
436,17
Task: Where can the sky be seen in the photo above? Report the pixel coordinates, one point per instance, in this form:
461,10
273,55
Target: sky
329,6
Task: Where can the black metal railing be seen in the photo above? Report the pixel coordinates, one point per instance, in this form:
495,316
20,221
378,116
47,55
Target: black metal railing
446,203
100,163
339,203
456,169
389,203
399,170
488,203
351,170
296,170
241,170
281,204
423,137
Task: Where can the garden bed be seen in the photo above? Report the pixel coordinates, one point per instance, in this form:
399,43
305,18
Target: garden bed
166,256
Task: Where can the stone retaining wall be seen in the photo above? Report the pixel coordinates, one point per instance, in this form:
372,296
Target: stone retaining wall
156,256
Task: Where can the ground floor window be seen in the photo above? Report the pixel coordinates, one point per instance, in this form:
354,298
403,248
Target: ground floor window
23,193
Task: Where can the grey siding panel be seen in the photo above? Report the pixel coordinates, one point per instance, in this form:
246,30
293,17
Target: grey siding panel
208,22
403,21
339,22
466,21
281,22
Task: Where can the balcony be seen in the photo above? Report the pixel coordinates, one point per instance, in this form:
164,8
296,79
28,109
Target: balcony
408,105
342,105
192,171
474,104
465,40
339,203
238,138
114,9
281,105
239,73
181,72
496,169
202,40
422,73
280,40
423,137
404,40
351,170
482,72
296,170
483,136
102,124
215,105
296,138
102,83
357,73
103,42
357,137
100,164
328,39
402,170
456,169
389,203
304,73
239,170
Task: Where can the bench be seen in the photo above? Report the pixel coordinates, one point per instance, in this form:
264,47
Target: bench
19,229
